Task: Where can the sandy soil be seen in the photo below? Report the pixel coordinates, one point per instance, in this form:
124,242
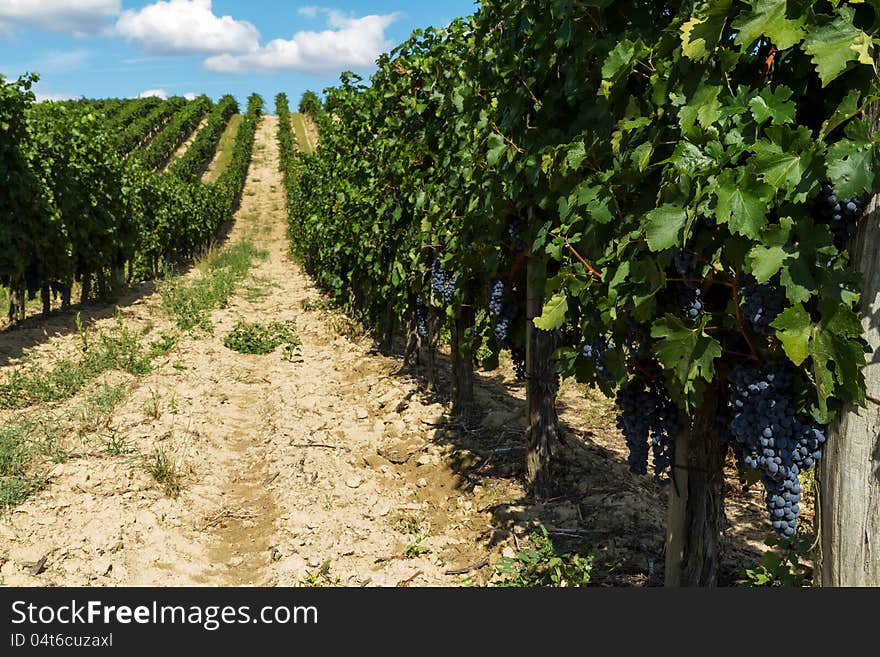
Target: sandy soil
339,458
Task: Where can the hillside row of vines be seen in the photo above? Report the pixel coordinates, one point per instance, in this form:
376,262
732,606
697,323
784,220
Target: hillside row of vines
83,200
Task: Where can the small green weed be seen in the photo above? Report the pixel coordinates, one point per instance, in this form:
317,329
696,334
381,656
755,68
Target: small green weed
317,304
414,526
257,288
544,565
165,471
260,339
163,345
152,407
98,407
26,445
783,565
321,577
116,444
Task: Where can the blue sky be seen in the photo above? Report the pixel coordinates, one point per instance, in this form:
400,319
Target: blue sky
126,48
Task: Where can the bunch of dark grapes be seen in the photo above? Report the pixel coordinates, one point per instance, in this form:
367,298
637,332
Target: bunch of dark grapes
518,356
691,302
690,297
33,282
648,418
421,312
443,282
595,351
684,263
762,304
515,231
773,438
841,215
504,314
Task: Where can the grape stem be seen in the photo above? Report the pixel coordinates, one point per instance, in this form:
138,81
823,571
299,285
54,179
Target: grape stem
739,320
873,400
519,149
595,274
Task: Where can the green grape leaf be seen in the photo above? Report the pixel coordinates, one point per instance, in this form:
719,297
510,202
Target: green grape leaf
839,319
794,329
663,226
703,108
700,36
797,279
784,158
497,148
743,202
851,167
847,109
834,45
618,62
554,313
768,18
766,261
774,105
688,353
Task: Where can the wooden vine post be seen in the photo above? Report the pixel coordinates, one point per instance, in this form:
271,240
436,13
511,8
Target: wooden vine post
17,303
696,501
541,383
848,505
462,330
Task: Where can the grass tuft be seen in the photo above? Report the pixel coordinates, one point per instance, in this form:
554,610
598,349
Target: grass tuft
261,339
189,302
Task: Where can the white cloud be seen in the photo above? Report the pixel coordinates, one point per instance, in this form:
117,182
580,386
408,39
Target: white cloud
349,43
80,17
310,11
44,98
191,95
154,93
186,26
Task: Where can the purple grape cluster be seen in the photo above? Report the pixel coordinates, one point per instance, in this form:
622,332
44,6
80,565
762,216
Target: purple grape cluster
648,419
595,351
690,297
443,282
502,312
762,304
773,438
841,215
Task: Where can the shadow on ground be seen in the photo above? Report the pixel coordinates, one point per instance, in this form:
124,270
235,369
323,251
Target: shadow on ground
597,504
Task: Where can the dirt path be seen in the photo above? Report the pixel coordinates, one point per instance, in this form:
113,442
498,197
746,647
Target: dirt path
281,463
